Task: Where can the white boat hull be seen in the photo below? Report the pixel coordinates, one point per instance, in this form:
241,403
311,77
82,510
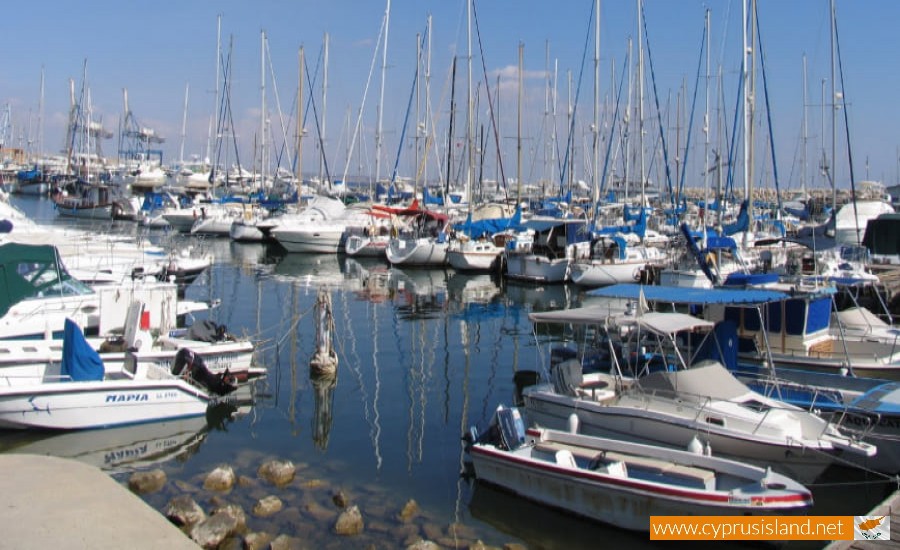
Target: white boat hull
309,240
359,246
661,483
474,256
537,269
596,273
644,425
417,252
90,213
84,405
245,232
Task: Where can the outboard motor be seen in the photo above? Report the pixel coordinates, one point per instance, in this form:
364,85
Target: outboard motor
191,367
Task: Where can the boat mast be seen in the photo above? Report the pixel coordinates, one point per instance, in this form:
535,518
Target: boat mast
470,118
748,60
805,131
833,111
41,118
187,88
425,129
262,115
216,106
418,108
379,137
521,92
324,110
640,7
706,168
627,122
299,170
595,129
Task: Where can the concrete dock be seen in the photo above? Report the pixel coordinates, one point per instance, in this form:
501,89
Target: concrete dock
50,502
889,507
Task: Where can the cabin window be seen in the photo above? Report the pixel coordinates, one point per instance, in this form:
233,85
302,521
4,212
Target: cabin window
773,317
757,406
715,421
751,319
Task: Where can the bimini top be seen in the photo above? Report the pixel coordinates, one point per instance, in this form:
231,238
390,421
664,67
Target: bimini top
669,324
678,295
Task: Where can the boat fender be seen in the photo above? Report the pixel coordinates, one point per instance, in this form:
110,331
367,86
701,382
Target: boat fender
572,424
694,446
707,449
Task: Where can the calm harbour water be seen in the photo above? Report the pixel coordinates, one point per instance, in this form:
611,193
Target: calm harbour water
423,354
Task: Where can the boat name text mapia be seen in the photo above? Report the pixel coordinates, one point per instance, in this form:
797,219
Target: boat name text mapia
124,398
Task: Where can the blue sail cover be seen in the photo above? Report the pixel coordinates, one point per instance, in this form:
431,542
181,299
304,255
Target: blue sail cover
742,223
639,227
488,226
79,360
428,198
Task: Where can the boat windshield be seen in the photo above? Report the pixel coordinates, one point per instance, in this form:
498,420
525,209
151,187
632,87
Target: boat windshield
33,272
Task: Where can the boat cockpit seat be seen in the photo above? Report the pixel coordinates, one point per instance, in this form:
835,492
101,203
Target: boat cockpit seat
565,457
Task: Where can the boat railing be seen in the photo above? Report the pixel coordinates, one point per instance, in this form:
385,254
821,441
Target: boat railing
862,424
13,380
703,406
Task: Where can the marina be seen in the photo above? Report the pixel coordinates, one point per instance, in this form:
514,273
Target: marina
504,301
424,354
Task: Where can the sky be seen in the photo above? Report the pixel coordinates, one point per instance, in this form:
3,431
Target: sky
155,50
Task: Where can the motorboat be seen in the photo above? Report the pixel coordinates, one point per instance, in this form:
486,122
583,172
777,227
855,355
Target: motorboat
657,392
623,483
86,396
37,294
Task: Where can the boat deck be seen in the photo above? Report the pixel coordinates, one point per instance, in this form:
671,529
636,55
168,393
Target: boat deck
889,507
652,467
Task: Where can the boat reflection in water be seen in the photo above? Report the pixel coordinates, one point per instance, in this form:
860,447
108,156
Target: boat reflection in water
419,293
323,417
539,526
313,270
117,450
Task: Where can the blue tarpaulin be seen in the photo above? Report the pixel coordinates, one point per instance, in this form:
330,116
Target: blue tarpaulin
80,361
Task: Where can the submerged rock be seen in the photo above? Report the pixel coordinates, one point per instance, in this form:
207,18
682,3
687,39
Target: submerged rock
221,479
236,512
212,531
267,506
340,499
284,542
350,522
409,511
184,510
257,541
144,483
277,472
423,545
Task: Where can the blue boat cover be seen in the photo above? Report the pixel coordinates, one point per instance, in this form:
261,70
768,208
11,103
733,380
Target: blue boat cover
749,279
79,360
678,295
